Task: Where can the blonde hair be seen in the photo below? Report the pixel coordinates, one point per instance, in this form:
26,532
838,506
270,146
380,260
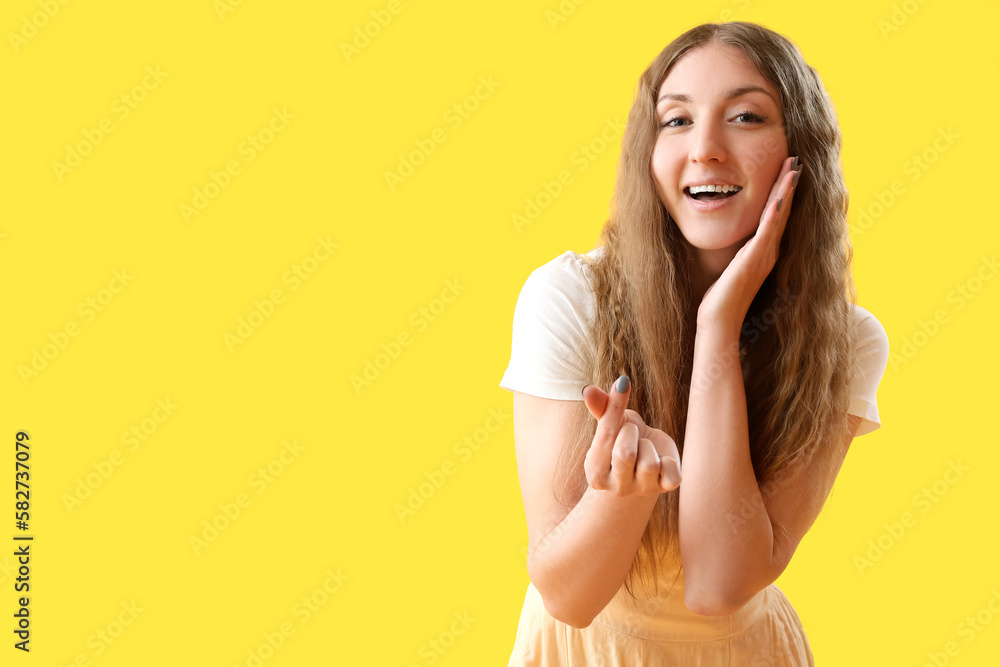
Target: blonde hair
798,333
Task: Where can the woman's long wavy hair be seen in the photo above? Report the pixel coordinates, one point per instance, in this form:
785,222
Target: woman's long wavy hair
797,338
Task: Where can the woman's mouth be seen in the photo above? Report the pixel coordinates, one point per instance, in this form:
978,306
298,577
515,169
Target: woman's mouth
711,192
711,197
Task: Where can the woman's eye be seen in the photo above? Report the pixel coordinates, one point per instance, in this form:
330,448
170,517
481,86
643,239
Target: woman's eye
750,117
673,122
742,118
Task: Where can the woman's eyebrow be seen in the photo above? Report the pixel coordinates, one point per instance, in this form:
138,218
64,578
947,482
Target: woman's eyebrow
732,94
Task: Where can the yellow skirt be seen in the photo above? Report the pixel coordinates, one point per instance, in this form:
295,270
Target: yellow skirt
660,630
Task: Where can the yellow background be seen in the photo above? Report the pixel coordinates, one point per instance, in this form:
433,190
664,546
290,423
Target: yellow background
333,506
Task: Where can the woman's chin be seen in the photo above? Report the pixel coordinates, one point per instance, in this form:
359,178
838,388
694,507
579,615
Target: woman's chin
719,244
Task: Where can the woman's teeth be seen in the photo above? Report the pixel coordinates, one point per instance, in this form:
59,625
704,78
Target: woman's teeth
709,192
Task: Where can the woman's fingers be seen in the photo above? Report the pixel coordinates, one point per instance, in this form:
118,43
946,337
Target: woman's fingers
669,469
781,195
627,457
623,459
596,400
787,184
598,463
664,444
772,209
635,418
787,166
670,473
647,468
763,248
637,469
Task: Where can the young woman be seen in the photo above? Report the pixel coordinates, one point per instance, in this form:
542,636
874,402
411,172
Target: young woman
719,313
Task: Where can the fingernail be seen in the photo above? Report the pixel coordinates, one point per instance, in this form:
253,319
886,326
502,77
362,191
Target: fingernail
795,162
796,179
799,168
621,386
584,389
778,208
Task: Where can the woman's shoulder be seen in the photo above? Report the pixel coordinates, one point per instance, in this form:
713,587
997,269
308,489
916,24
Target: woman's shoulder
868,326
570,265
559,294
871,344
861,313
551,343
567,277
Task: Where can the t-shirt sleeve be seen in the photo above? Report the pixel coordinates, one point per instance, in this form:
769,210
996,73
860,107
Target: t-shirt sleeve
870,364
551,347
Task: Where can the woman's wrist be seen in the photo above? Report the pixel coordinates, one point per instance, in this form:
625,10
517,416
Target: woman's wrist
721,326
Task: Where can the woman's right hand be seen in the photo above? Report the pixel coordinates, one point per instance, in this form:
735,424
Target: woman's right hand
627,457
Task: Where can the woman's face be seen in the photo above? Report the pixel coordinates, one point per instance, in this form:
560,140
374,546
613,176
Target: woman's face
720,124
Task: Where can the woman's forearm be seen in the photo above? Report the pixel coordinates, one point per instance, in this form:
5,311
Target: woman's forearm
580,565
721,549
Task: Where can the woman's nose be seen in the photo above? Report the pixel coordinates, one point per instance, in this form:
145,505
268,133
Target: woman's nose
708,144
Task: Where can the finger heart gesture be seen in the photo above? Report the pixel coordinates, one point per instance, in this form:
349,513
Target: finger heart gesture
627,457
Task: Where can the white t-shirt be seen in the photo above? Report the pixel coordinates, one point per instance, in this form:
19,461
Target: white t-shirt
552,346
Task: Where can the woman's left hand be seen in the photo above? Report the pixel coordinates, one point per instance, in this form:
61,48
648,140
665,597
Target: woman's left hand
727,300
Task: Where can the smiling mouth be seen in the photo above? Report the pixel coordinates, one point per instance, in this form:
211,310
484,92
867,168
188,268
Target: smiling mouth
707,193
